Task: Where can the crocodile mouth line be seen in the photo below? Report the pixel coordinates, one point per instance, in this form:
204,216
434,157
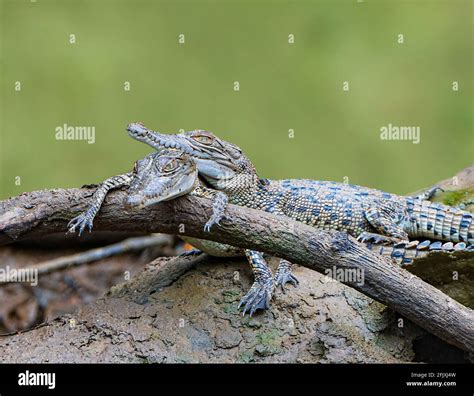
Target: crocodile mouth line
155,139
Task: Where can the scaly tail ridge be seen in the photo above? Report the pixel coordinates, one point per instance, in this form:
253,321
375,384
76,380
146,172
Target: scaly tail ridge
405,253
437,221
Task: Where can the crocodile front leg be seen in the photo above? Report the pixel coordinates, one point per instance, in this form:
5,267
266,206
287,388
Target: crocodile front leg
86,219
219,204
261,292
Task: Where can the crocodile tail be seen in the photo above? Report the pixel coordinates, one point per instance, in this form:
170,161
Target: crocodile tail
437,221
406,253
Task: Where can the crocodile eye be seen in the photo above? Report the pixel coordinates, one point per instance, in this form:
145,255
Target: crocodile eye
204,139
170,166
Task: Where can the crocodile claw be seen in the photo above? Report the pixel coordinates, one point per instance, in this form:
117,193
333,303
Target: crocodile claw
80,223
284,277
258,297
376,238
430,193
209,224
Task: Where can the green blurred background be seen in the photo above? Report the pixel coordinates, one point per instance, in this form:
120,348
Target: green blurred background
282,86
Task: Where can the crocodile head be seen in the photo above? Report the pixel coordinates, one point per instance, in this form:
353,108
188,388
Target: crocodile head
161,176
220,163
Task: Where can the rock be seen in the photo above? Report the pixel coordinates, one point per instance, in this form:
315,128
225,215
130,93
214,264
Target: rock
227,336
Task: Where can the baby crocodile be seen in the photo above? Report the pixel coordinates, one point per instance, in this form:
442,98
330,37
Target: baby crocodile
365,213
171,173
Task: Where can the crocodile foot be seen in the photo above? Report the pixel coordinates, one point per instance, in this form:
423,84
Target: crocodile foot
284,275
80,223
430,193
210,223
219,203
258,297
377,238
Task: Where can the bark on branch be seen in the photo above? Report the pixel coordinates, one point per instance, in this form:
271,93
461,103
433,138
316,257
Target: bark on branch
44,212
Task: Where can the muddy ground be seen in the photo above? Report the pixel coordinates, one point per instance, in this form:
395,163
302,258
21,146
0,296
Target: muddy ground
185,310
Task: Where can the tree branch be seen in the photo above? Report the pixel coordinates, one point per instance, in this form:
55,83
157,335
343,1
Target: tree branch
44,212
127,245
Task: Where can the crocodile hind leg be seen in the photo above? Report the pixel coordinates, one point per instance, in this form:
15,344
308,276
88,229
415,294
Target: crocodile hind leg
86,219
284,275
386,225
430,193
377,238
261,292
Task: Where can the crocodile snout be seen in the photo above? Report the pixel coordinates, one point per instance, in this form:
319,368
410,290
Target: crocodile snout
137,129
